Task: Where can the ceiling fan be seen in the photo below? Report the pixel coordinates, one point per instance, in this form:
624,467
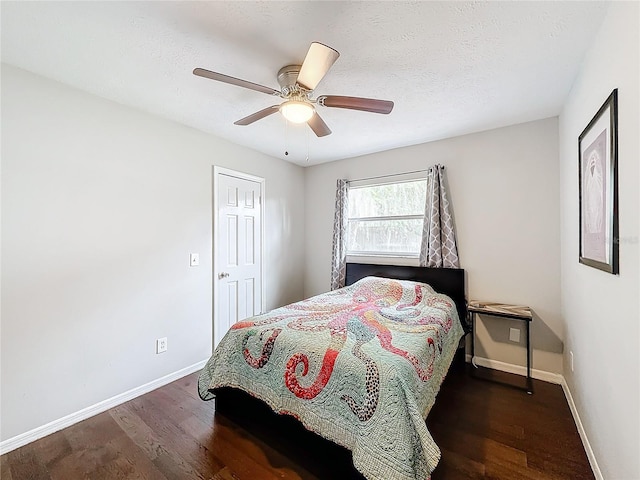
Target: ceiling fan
297,83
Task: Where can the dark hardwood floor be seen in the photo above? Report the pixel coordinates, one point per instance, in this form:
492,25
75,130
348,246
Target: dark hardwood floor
485,430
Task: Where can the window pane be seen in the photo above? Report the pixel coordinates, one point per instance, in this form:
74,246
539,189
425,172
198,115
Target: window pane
387,236
393,199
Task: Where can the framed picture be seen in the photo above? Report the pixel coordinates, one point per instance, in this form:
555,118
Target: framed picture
598,188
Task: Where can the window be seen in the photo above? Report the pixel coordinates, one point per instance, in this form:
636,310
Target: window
386,219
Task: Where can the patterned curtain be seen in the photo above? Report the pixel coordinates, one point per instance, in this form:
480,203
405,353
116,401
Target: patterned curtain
438,248
339,253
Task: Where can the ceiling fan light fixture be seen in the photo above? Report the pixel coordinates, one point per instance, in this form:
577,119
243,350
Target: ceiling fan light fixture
296,111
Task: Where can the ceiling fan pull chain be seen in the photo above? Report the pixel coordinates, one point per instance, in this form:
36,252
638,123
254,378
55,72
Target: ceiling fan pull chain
286,137
307,137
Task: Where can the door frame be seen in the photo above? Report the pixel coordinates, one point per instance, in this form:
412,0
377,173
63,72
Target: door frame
217,171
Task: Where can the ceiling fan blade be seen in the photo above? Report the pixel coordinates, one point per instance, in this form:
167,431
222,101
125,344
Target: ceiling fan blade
318,126
220,77
316,64
254,117
356,103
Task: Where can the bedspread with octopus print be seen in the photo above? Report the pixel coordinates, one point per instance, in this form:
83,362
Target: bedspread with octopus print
360,366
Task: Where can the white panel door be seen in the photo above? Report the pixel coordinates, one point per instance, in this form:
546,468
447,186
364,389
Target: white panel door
238,259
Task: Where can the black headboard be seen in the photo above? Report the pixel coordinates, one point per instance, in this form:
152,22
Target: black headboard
449,281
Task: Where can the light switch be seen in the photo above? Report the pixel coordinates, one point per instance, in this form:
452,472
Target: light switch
194,259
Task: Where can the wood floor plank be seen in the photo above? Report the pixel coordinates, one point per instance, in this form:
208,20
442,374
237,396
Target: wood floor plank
254,449
225,474
485,431
24,464
242,460
514,435
458,467
52,448
175,439
166,460
128,462
170,462
89,442
5,469
201,425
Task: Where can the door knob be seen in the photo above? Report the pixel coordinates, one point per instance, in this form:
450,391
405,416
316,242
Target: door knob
223,275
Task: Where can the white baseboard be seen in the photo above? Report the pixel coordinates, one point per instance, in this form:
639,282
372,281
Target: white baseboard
583,435
551,378
517,370
73,418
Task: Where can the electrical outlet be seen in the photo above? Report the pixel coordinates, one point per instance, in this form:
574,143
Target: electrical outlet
194,259
514,334
161,345
571,359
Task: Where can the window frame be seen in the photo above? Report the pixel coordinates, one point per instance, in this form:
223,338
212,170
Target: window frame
380,181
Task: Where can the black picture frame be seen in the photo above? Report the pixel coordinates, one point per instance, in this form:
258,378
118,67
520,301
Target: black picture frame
598,189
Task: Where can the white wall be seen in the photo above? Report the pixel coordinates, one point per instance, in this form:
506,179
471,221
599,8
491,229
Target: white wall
101,206
504,191
601,310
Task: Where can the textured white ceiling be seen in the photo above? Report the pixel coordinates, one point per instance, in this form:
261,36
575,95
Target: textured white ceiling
450,67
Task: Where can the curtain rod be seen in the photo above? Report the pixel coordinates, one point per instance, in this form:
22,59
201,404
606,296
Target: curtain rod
387,176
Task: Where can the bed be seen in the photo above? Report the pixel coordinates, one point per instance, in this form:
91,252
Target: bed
360,366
